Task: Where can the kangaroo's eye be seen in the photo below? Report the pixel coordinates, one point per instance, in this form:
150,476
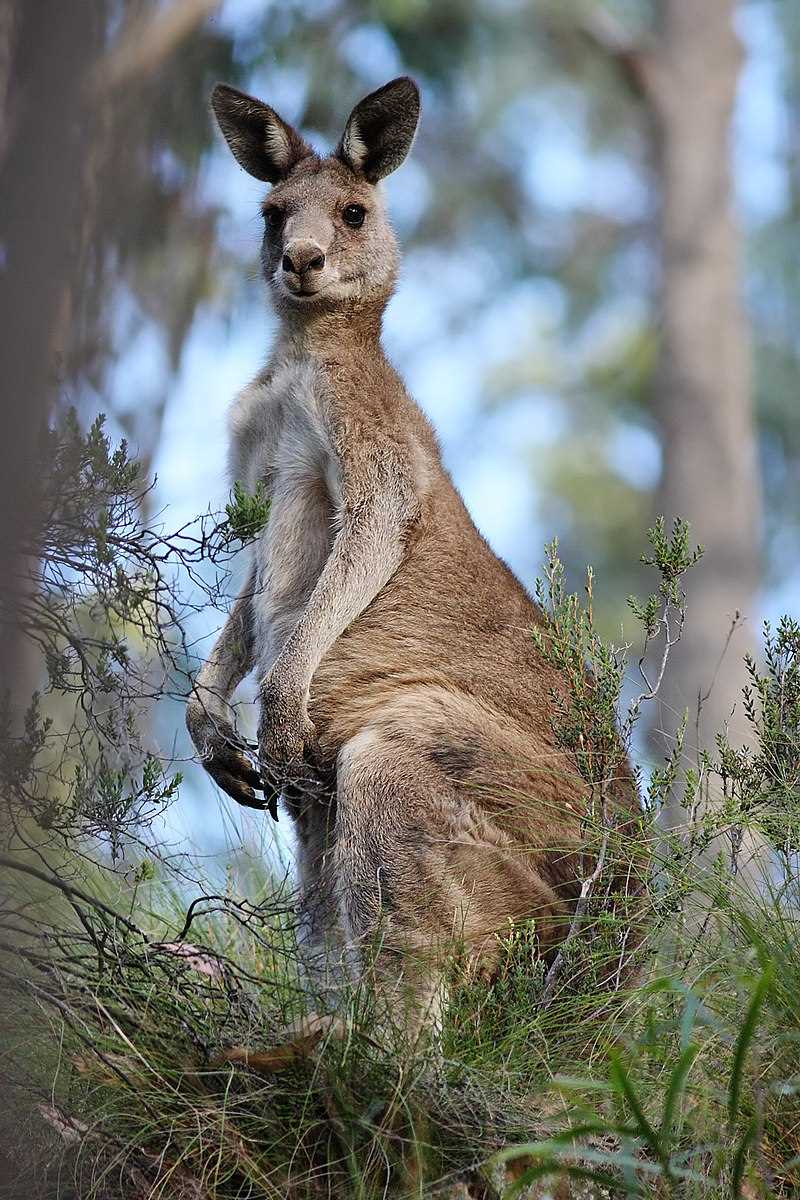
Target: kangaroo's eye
353,215
273,217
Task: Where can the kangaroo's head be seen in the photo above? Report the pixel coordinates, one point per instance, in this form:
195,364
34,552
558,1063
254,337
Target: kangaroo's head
327,240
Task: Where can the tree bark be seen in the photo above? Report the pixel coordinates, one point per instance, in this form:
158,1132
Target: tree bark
703,401
45,128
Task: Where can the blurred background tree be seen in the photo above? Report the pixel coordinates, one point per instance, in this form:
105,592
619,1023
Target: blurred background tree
595,334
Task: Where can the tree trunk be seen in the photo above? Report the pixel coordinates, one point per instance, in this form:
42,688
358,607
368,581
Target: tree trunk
703,394
46,49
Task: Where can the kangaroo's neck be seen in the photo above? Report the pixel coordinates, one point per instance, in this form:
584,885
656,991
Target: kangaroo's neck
333,333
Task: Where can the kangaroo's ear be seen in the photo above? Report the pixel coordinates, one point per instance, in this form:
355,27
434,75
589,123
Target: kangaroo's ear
380,129
261,141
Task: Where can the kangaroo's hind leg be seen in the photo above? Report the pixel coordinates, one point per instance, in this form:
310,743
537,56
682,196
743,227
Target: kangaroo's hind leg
420,869
321,945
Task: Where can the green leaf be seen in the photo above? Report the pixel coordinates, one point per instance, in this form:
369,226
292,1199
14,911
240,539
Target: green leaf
740,1159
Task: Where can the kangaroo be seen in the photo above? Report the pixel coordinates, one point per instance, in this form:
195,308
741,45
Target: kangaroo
394,649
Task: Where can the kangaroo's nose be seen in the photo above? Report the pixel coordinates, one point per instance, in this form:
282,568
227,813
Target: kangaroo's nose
300,257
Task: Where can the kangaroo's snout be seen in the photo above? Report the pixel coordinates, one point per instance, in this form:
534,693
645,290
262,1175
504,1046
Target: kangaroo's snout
299,257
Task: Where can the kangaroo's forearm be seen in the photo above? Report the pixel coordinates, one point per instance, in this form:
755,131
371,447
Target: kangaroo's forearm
365,555
208,715
232,657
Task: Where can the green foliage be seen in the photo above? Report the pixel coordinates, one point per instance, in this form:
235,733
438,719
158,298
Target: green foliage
762,782
686,1089
672,558
101,799
669,1106
586,710
102,633
246,514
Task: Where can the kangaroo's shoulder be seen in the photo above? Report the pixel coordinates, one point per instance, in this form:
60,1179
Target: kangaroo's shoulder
369,405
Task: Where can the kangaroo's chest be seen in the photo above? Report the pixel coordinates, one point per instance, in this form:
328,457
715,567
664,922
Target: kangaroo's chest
280,432
281,439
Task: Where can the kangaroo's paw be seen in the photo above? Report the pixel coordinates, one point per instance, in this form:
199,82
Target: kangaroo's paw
299,1041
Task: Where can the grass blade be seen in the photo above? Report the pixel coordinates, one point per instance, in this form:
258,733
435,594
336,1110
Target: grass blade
621,1079
744,1039
677,1082
740,1160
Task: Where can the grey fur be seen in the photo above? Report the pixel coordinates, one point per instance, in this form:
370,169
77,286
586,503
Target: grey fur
405,711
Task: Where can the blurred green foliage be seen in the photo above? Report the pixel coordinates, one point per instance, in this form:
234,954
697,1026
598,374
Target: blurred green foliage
504,86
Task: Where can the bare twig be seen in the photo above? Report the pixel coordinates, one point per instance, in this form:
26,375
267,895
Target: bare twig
70,891
587,887
637,59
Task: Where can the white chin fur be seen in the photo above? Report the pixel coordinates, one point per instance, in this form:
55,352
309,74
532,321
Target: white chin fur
331,289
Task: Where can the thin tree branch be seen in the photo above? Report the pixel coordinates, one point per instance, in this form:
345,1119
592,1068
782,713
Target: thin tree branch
149,41
638,61
587,887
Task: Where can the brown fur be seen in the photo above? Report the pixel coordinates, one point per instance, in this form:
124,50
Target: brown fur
395,649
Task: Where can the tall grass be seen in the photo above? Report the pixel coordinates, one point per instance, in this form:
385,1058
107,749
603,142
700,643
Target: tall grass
687,1085
678,1078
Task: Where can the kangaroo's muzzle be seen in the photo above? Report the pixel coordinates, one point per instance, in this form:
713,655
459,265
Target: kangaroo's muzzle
302,260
